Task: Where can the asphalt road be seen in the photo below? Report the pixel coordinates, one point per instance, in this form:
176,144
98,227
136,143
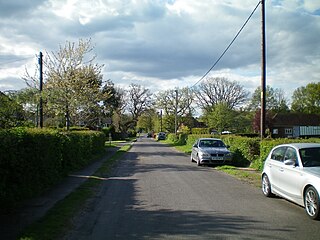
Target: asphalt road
155,192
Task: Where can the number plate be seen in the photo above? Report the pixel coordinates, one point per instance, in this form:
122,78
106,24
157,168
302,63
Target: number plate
217,158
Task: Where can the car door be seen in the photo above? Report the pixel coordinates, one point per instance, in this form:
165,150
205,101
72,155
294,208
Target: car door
194,151
276,167
290,177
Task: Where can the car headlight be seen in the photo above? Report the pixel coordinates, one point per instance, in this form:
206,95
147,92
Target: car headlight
229,154
204,154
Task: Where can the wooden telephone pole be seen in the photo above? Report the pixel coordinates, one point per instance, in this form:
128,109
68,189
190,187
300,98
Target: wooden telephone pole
40,88
263,72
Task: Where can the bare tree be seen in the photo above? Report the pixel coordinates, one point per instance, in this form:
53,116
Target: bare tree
166,100
139,100
213,91
175,101
275,100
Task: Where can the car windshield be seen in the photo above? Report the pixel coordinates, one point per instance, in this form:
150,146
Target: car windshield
211,143
310,157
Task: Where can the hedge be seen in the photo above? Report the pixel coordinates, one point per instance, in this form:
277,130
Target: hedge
246,151
32,160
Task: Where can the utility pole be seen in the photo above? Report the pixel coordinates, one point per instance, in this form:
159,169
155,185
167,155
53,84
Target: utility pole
176,113
263,72
161,120
40,88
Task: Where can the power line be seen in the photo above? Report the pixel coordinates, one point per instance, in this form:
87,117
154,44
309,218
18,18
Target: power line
13,61
224,52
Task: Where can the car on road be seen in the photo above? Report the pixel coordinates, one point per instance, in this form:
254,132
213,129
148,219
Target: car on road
210,151
161,136
292,171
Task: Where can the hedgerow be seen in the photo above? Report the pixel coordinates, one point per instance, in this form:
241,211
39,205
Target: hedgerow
246,151
32,160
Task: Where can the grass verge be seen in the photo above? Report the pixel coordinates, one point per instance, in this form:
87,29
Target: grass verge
247,175
58,219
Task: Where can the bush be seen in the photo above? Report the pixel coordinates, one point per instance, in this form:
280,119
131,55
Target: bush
32,160
200,131
245,150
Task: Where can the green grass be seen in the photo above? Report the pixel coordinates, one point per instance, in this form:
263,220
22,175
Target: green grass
181,148
58,219
250,176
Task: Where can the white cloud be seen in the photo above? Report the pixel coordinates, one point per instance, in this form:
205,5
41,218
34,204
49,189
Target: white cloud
166,44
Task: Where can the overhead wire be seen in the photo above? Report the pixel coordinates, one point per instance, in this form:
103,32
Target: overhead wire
13,61
227,48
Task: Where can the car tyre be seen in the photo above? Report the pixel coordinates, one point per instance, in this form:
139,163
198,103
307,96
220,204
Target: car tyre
266,186
198,161
191,158
311,203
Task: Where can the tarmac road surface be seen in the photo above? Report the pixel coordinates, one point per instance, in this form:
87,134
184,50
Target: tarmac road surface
155,192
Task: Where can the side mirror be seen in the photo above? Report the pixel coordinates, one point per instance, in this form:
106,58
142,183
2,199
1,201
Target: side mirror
195,145
289,162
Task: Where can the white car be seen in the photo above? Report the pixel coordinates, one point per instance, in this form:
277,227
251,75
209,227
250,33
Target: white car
292,171
210,151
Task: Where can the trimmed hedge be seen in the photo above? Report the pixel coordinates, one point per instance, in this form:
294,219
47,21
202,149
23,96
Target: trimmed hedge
32,160
246,151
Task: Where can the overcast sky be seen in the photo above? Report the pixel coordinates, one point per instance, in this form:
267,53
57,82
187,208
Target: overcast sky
163,44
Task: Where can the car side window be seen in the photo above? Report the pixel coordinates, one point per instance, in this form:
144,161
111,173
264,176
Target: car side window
291,154
278,154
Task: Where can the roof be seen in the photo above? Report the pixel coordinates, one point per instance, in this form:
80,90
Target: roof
301,145
209,139
295,119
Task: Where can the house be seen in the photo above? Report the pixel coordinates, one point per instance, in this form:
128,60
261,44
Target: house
293,125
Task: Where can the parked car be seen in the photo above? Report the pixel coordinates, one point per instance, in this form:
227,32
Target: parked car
292,171
161,136
210,151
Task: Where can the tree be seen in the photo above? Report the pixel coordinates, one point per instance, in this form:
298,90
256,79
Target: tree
275,100
111,98
169,100
119,118
73,83
11,113
221,117
28,99
139,100
213,91
147,120
307,99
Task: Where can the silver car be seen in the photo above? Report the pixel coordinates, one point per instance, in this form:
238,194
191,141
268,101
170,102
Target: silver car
210,151
292,171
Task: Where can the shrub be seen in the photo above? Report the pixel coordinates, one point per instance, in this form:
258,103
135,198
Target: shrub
32,160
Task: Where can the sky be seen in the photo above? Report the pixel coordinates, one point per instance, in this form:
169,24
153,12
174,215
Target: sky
167,44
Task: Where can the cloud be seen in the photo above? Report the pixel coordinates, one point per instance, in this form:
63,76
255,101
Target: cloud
169,43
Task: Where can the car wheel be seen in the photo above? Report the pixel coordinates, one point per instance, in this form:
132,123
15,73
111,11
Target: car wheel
311,202
191,158
198,161
266,186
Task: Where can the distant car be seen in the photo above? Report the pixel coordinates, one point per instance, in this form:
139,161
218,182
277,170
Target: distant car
161,136
149,134
226,132
292,171
210,151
